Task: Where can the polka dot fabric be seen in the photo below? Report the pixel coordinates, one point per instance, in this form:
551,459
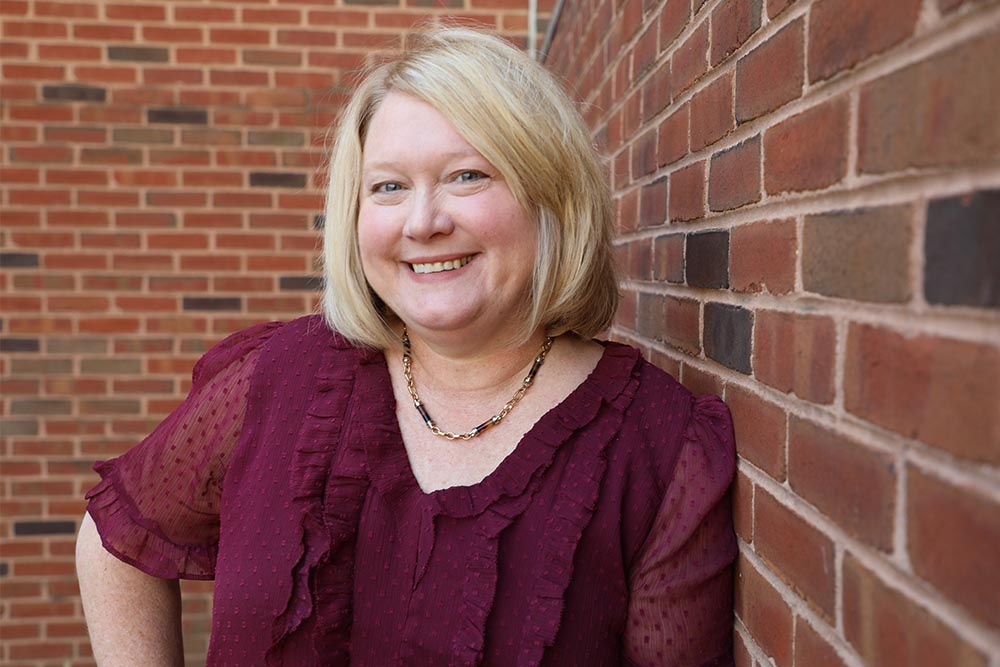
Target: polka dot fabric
605,538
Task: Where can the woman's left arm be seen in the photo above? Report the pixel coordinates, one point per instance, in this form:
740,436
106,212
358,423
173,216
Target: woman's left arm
681,586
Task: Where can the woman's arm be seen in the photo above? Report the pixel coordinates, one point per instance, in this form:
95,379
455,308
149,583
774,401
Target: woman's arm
133,618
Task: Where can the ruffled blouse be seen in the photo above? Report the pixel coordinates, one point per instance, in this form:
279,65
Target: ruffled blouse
604,538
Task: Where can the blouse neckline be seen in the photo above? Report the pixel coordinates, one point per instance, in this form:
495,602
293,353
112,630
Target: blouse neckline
389,465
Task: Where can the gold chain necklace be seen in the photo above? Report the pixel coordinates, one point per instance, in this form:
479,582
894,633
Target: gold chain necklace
492,421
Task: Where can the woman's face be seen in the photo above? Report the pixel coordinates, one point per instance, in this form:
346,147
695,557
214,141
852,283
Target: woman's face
443,241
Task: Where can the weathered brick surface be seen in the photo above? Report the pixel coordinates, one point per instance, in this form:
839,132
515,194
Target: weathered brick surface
862,255
795,354
797,551
823,464
937,112
762,257
887,628
931,389
854,179
807,151
954,542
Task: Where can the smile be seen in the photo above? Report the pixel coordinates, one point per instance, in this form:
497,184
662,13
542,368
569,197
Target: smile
437,267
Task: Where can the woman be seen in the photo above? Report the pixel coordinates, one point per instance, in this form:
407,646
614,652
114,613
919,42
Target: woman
446,469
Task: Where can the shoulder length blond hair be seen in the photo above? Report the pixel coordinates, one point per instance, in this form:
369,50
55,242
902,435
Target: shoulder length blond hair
513,112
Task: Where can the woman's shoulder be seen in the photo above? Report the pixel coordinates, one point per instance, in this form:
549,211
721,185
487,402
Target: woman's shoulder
664,417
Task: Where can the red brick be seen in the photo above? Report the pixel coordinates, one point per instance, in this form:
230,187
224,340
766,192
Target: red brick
64,52
172,34
136,12
690,61
33,72
764,613
843,33
760,431
687,192
823,463
645,51
807,151
953,539
811,649
673,18
795,353
762,256
733,22
798,552
699,382
770,75
672,143
104,32
33,29
628,211
775,7
938,112
206,56
734,176
653,203
644,154
668,258
712,112
682,324
928,388
743,507
887,628
656,92
204,14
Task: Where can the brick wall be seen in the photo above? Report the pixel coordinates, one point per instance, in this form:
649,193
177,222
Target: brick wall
808,204
161,178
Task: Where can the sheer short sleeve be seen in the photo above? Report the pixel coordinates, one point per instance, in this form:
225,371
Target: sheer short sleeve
157,506
681,587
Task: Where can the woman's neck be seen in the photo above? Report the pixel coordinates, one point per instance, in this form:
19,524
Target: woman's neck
443,366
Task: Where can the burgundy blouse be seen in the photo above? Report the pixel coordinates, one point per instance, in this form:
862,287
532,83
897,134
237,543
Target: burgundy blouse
605,538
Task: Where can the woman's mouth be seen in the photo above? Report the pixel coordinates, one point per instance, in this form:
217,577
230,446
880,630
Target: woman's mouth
438,267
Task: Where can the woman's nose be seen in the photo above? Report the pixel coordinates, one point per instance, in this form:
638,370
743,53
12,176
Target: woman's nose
427,218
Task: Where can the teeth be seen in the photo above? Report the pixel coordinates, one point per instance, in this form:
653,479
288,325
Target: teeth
437,267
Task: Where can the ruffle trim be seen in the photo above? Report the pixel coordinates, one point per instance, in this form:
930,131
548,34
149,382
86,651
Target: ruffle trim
351,440
119,524
330,487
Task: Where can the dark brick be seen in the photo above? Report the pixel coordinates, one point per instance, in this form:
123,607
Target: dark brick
74,93
9,427
4,569
41,406
11,260
44,528
319,221
147,54
19,345
653,203
309,283
728,335
275,179
962,247
707,259
276,138
213,303
862,254
652,312
185,116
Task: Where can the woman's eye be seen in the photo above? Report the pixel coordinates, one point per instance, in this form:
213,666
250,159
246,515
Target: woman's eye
389,186
470,175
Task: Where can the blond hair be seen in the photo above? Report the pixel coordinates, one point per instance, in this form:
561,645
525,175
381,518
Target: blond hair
511,110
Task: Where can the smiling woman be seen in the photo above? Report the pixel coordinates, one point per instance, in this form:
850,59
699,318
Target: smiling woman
567,504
